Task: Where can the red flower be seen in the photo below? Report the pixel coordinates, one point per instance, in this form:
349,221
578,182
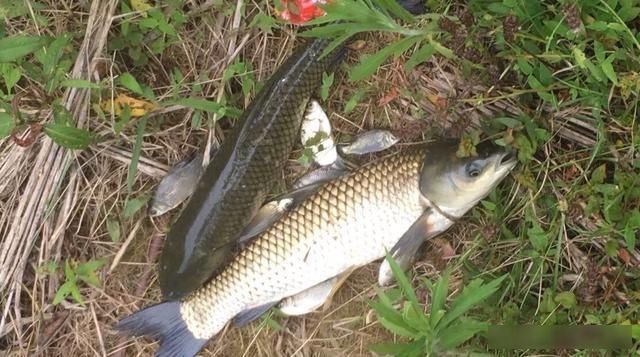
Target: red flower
300,11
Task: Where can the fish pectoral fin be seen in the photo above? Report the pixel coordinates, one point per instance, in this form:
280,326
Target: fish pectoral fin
273,210
264,218
251,314
313,298
405,249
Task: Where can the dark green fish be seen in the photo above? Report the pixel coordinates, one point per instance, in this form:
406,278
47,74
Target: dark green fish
243,172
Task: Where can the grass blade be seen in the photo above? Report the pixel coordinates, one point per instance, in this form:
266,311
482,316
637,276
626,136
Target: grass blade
394,8
369,64
438,297
135,155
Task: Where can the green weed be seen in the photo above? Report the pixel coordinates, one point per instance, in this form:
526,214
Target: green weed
74,273
443,328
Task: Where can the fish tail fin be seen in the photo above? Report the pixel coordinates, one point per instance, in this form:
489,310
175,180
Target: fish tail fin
164,323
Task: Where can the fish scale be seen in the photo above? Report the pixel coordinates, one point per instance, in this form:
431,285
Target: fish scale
347,223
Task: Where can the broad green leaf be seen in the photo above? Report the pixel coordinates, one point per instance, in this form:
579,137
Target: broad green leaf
327,81
598,175
598,48
68,271
545,76
398,329
567,299
76,294
415,317
354,100
133,205
129,82
52,66
135,154
525,67
113,228
369,64
392,320
454,335
68,136
595,71
61,115
628,14
6,125
538,237
90,266
509,122
91,279
611,248
87,272
15,47
525,148
384,297
62,292
607,68
264,22
11,75
422,55
471,295
80,83
443,50
15,8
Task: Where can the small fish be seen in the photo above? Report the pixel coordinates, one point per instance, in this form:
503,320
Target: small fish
176,186
369,142
315,135
321,174
390,205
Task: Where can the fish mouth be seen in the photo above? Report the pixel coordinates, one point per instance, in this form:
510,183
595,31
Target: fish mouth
508,160
508,157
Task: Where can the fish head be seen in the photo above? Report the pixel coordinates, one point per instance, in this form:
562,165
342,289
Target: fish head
456,184
388,139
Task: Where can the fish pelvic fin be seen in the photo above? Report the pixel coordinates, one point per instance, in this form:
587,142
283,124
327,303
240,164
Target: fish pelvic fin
163,322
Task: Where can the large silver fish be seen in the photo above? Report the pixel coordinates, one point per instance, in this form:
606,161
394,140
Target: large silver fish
393,205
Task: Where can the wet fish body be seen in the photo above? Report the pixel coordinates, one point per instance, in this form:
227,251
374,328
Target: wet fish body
242,173
369,141
176,186
347,223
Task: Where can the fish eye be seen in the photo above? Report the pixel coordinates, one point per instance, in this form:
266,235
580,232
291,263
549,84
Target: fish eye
473,169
